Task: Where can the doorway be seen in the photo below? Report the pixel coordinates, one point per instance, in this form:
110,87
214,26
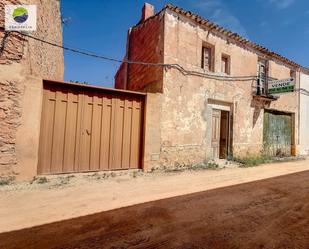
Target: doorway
278,133
220,133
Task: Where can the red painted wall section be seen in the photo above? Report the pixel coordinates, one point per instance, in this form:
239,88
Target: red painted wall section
145,45
121,77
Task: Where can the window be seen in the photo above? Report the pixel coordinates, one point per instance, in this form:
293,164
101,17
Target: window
262,76
208,58
225,64
293,74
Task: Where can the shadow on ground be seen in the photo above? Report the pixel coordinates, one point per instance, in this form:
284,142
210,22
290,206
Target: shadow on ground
271,213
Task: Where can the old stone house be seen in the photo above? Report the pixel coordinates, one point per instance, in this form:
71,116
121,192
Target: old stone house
209,97
24,62
198,99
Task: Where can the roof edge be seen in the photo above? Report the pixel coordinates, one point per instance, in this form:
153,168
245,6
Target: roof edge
228,33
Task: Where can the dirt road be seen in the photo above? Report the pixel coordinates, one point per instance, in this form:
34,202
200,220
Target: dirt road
272,213
67,197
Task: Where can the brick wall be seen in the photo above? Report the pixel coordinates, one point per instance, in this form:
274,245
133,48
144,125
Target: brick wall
121,76
146,45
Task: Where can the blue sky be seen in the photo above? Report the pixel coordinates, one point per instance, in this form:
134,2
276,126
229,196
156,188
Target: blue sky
101,26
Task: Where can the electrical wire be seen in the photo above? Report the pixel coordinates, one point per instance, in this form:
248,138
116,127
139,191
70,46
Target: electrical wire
175,66
3,42
302,91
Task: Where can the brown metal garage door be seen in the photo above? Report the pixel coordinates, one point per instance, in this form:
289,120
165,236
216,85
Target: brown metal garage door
89,129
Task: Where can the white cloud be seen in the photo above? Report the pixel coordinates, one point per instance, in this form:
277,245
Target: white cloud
282,4
218,12
263,24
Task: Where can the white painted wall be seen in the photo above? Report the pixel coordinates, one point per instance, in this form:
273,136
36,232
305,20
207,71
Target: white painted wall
304,115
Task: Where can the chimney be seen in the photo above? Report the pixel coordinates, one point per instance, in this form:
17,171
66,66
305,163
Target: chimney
147,11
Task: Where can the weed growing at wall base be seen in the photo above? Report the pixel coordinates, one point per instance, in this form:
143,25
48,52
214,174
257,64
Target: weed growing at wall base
250,161
254,160
6,180
39,180
199,166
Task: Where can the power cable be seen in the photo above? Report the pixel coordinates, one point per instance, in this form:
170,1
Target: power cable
3,42
302,91
175,66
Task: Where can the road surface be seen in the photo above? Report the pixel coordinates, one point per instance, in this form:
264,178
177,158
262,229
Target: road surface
272,213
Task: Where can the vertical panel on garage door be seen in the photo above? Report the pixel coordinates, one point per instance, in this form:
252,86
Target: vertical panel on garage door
127,124
47,123
59,130
136,126
87,130
71,136
94,163
85,144
116,153
106,130
277,133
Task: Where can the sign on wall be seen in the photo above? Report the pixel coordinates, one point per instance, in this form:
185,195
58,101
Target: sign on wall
20,17
281,86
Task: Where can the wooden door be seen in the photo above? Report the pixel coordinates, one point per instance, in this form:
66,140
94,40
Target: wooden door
224,134
88,130
215,140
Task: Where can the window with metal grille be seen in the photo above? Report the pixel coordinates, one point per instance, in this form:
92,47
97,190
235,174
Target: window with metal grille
262,76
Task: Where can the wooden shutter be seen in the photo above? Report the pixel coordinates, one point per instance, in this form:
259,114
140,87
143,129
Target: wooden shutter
207,58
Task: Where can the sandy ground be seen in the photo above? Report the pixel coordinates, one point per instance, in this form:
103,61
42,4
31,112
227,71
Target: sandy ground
272,213
27,205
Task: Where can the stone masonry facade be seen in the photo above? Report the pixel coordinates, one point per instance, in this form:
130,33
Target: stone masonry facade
183,103
23,65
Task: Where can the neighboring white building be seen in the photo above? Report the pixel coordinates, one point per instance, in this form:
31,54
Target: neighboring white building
304,113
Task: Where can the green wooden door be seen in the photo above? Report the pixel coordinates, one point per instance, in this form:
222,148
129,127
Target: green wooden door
277,133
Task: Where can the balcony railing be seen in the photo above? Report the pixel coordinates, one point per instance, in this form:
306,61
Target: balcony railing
260,88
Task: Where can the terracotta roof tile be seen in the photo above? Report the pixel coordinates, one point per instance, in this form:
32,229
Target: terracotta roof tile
200,20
